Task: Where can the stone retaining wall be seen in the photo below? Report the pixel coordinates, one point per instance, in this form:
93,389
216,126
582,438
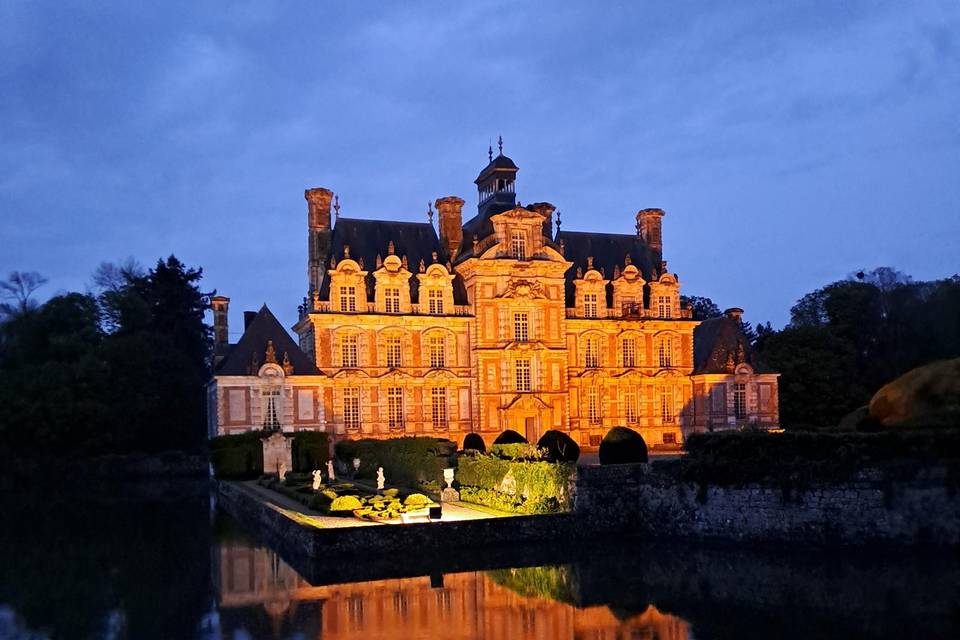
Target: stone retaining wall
867,509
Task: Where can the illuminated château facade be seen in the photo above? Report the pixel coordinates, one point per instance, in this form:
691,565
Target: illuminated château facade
501,322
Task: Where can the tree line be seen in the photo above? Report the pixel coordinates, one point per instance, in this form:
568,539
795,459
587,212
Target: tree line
120,369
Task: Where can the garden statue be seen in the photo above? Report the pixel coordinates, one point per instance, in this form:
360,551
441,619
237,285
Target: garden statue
317,479
356,466
380,479
330,475
449,494
448,477
282,472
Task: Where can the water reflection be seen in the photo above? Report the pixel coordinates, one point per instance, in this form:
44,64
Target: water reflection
260,595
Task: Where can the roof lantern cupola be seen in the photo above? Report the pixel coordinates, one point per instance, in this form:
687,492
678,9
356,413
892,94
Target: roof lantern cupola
496,184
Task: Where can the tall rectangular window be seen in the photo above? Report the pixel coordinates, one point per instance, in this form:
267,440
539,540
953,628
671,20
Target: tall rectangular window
589,305
665,352
665,306
438,407
518,245
591,352
394,351
391,299
522,374
438,351
521,326
633,404
629,349
740,401
395,407
593,406
348,299
666,405
435,302
351,408
349,351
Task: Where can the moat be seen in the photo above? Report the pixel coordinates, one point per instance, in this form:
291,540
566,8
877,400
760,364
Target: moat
160,561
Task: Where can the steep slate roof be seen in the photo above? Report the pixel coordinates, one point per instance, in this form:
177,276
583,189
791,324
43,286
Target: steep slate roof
369,238
264,327
714,339
608,251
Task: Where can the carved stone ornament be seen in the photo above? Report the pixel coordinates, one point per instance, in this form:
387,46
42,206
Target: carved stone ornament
627,260
390,248
287,365
579,273
524,289
379,261
731,364
423,267
271,355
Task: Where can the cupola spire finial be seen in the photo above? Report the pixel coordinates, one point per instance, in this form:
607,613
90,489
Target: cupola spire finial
430,212
500,144
336,206
490,151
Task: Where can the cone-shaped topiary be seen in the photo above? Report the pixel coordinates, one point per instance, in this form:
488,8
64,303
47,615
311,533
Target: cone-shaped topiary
622,446
475,442
510,437
560,447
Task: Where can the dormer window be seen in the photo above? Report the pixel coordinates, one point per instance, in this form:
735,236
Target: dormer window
348,299
665,306
391,299
435,302
589,305
518,245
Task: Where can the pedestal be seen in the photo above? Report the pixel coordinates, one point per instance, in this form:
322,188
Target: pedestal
449,495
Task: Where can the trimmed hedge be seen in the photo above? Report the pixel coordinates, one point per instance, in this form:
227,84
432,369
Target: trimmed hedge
559,446
803,457
622,446
475,442
311,450
515,486
510,437
409,460
556,582
520,451
237,457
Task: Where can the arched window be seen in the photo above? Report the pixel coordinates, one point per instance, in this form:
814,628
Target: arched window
591,352
437,345
349,351
394,352
629,350
518,245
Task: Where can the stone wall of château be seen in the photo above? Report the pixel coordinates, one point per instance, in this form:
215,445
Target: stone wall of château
868,508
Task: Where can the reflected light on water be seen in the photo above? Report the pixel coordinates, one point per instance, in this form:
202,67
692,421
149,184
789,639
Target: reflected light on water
260,596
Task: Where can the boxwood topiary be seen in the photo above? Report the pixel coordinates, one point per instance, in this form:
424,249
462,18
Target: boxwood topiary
345,503
622,446
416,500
559,446
474,441
510,437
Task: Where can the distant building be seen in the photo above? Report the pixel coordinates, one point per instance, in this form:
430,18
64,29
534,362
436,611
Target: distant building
501,322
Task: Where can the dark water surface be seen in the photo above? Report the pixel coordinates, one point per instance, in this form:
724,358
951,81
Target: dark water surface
160,562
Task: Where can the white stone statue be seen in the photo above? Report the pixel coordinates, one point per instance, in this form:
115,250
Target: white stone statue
282,473
330,475
317,479
448,477
380,479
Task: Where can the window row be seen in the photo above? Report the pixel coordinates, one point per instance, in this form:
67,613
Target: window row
396,413
665,351
435,349
351,298
633,397
664,306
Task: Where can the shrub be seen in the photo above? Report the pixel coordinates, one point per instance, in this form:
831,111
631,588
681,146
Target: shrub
474,442
559,446
516,486
521,451
311,450
510,437
622,446
416,500
407,460
345,503
237,456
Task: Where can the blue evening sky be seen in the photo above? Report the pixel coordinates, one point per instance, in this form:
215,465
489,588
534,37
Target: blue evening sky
789,143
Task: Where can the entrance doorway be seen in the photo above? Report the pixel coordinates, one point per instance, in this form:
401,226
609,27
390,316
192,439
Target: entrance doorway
531,431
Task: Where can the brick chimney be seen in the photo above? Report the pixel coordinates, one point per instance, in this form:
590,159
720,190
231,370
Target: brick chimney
318,235
450,211
649,228
546,210
220,306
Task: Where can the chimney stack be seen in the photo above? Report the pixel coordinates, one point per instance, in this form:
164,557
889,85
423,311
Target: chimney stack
734,313
546,210
450,212
649,228
318,235
220,306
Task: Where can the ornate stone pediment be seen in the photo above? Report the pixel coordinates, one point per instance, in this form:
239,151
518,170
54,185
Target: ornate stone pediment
526,401
519,288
